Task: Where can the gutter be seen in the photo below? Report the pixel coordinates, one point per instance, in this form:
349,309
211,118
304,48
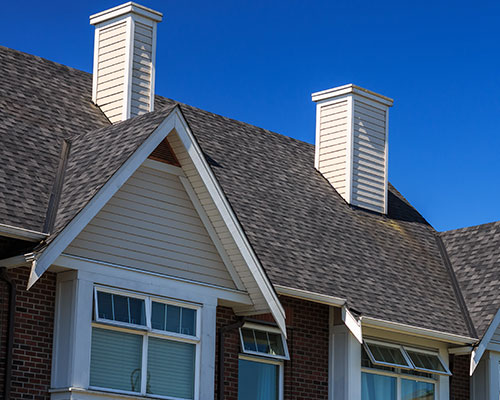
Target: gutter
10,332
374,322
413,330
21,233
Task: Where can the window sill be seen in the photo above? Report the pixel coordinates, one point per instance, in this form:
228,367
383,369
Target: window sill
73,393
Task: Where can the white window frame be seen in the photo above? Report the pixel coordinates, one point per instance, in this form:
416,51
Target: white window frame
386,364
267,360
146,332
263,328
403,349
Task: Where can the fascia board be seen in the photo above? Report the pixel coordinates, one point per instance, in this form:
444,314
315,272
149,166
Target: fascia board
123,9
21,233
477,354
231,221
417,331
44,259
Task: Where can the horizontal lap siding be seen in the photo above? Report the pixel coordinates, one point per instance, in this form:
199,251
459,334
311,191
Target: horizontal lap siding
369,155
151,224
225,237
496,336
333,141
111,55
142,69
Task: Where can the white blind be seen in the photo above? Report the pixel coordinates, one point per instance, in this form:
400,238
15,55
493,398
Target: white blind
171,368
116,360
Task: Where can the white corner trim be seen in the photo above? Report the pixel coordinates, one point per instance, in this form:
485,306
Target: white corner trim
230,219
414,330
80,221
21,233
310,296
352,324
477,354
211,232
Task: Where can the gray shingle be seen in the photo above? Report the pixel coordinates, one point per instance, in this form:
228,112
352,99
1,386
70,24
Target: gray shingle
475,255
303,232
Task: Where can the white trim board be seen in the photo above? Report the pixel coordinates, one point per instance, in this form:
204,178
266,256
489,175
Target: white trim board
477,353
174,121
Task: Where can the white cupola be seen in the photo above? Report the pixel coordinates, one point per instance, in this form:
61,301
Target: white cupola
351,144
124,60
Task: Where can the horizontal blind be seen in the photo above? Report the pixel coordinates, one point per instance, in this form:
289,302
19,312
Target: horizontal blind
171,368
116,360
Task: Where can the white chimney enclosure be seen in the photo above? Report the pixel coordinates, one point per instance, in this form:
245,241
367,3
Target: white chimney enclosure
124,60
351,144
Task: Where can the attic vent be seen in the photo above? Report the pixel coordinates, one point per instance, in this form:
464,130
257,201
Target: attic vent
164,153
351,144
124,60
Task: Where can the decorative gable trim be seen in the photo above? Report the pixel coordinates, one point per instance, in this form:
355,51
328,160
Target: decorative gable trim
174,121
478,352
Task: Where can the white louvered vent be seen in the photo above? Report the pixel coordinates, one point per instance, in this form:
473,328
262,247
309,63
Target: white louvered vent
351,144
124,60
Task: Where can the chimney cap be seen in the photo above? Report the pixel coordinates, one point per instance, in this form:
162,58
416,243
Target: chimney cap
123,9
348,89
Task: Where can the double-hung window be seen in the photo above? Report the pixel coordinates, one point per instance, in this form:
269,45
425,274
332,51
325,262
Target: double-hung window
144,345
260,366
395,372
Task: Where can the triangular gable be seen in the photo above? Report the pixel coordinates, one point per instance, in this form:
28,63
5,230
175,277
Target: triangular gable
260,290
152,224
492,331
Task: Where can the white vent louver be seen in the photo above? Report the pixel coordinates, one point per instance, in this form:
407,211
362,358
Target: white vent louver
351,144
124,60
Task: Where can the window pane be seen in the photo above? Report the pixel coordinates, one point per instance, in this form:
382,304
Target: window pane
387,354
367,363
158,316
426,361
121,308
257,380
115,360
377,387
262,343
248,339
171,368
173,319
413,390
276,344
137,311
188,326
105,306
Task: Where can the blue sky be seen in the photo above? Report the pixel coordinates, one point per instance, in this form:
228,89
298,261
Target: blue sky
259,61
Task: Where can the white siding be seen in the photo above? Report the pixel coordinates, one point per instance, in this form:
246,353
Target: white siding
333,141
142,69
496,336
369,156
111,65
225,236
151,224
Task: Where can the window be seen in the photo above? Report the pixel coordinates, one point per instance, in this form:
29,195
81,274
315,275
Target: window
143,345
395,372
260,368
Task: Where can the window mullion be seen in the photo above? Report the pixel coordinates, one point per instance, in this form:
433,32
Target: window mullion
144,367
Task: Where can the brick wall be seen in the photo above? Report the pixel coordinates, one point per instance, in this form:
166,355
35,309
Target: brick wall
306,374
34,322
460,381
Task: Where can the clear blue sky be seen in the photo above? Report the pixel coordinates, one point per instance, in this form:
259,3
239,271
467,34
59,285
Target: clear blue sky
259,61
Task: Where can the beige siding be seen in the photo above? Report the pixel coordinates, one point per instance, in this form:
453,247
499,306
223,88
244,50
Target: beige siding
369,154
333,139
111,54
151,224
142,69
226,239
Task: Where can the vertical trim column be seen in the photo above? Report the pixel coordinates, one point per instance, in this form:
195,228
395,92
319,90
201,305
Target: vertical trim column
344,362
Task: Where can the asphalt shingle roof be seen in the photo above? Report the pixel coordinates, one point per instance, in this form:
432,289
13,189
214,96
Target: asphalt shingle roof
475,255
303,232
